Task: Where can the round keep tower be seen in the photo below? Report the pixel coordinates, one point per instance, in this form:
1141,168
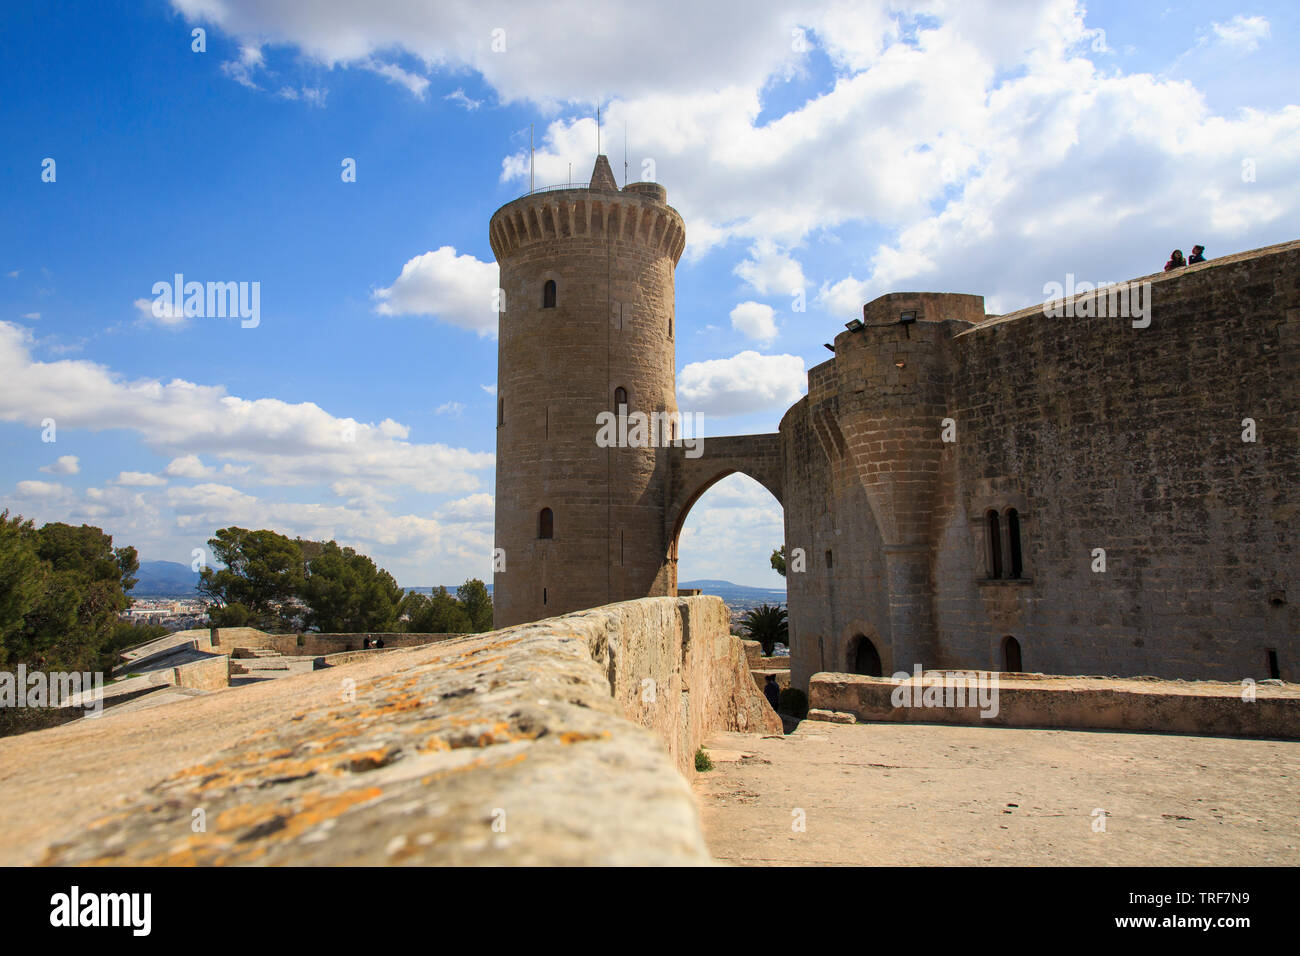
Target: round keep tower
586,322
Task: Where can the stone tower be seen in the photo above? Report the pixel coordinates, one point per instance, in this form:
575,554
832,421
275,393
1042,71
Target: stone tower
587,319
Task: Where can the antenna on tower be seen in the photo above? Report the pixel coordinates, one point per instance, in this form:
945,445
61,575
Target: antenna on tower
531,160
597,129
625,154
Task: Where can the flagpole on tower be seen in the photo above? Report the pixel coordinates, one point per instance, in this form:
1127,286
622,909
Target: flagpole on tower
597,129
531,160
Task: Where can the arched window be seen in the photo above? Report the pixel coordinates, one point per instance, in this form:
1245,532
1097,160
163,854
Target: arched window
1011,655
548,294
995,545
620,400
866,659
546,524
1013,542
501,411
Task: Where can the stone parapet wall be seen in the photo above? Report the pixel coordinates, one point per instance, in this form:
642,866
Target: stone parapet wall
531,745
1207,708
210,673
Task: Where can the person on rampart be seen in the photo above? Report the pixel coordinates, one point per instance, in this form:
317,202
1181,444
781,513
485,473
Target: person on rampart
1198,255
1176,261
772,691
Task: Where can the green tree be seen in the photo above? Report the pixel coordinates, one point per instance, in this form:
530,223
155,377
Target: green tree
22,579
263,572
345,592
778,560
474,598
62,591
767,624
439,613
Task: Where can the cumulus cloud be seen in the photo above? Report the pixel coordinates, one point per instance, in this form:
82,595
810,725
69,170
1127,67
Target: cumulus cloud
40,489
771,270
457,289
282,442
755,321
475,508
746,382
63,465
980,140
139,479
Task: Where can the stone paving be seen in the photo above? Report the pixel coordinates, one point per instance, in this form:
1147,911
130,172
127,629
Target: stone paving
917,794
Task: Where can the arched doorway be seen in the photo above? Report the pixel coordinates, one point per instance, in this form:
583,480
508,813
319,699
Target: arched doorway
1011,655
866,659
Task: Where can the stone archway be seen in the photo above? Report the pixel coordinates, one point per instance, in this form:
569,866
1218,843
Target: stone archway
864,657
755,456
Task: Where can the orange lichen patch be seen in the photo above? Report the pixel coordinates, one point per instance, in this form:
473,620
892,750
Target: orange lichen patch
432,744
369,759
287,819
573,737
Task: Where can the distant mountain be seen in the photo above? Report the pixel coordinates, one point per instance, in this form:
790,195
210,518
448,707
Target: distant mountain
737,593
165,579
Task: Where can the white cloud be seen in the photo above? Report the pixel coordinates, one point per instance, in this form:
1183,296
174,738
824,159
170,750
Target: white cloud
456,289
747,382
490,389
280,442
139,479
460,98
1242,33
769,269
242,70
40,489
416,84
450,408
189,466
33,316
64,465
161,313
475,508
755,321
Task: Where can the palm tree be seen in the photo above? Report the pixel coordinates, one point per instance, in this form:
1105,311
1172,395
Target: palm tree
766,624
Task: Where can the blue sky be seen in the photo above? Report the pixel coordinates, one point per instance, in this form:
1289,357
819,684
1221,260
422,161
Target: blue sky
843,149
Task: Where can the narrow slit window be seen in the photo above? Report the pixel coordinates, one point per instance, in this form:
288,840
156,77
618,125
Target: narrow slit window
620,400
995,545
546,524
1013,542
548,294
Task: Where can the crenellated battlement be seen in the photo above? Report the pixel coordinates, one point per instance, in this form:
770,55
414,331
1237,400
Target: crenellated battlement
637,214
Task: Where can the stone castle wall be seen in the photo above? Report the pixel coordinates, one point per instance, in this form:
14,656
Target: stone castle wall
1100,435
